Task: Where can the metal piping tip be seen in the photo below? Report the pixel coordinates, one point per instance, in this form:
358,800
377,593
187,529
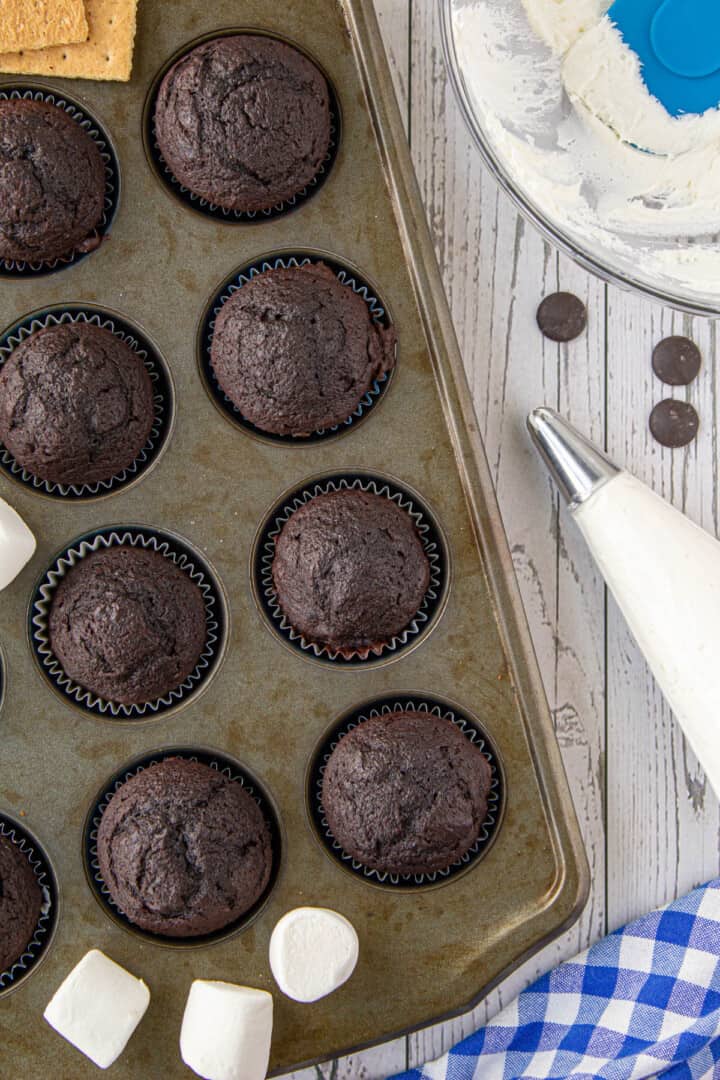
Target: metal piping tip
578,466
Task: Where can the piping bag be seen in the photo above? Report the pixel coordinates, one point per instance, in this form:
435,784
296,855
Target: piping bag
662,569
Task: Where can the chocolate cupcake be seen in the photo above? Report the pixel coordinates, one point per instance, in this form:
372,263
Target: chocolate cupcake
406,793
349,570
295,350
76,404
20,903
52,182
183,849
243,121
127,624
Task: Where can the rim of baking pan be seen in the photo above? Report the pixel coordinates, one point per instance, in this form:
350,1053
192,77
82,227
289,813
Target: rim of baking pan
582,256
567,895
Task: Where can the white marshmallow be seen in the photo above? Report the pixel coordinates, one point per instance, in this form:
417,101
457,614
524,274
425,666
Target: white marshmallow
98,1007
313,951
17,544
226,1031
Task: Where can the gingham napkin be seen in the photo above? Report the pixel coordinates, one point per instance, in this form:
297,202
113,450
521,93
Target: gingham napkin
643,1002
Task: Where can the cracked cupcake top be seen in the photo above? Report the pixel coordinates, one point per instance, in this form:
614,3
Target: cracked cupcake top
76,404
406,793
127,624
295,350
350,570
52,182
183,849
243,121
20,903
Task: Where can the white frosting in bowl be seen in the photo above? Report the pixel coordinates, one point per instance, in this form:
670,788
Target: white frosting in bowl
560,104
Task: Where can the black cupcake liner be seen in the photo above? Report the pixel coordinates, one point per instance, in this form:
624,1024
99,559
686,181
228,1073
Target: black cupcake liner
346,275
433,542
407,702
216,760
3,677
203,206
17,268
163,399
183,555
39,945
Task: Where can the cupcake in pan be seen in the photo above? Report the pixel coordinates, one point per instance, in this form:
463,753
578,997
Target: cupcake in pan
21,902
128,624
52,182
296,350
350,571
76,404
243,121
406,793
183,849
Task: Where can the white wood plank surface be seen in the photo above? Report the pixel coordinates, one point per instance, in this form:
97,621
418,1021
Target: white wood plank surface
650,822
663,819
496,269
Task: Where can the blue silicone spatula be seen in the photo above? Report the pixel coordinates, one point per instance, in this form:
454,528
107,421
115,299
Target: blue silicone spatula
678,43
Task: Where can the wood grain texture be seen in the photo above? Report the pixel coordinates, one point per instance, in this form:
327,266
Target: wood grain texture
496,270
650,822
663,819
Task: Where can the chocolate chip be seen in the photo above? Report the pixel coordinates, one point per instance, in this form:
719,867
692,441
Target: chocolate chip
674,423
562,316
676,361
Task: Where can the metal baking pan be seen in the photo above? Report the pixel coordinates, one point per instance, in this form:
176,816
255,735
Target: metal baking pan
427,952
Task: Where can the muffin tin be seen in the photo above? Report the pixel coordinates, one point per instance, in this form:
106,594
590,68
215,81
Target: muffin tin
426,951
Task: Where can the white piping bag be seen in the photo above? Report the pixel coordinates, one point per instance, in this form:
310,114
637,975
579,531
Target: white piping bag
662,569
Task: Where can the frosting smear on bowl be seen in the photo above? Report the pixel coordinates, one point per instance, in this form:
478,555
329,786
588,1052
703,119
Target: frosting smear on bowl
560,101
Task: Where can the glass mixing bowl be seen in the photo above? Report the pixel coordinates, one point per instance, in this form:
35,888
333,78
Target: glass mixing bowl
682,271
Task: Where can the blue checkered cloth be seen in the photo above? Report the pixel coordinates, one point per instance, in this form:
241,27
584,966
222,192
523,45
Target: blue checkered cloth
643,1002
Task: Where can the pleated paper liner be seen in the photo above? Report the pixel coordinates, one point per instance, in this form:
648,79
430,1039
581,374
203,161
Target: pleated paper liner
203,206
223,763
17,268
39,945
163,399
184,555
3,677
347,275
434,545
471,728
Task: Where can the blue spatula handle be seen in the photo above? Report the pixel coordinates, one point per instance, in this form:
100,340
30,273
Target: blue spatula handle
678,43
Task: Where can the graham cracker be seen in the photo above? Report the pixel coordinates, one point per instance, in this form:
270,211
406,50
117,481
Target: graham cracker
107,54
33,24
